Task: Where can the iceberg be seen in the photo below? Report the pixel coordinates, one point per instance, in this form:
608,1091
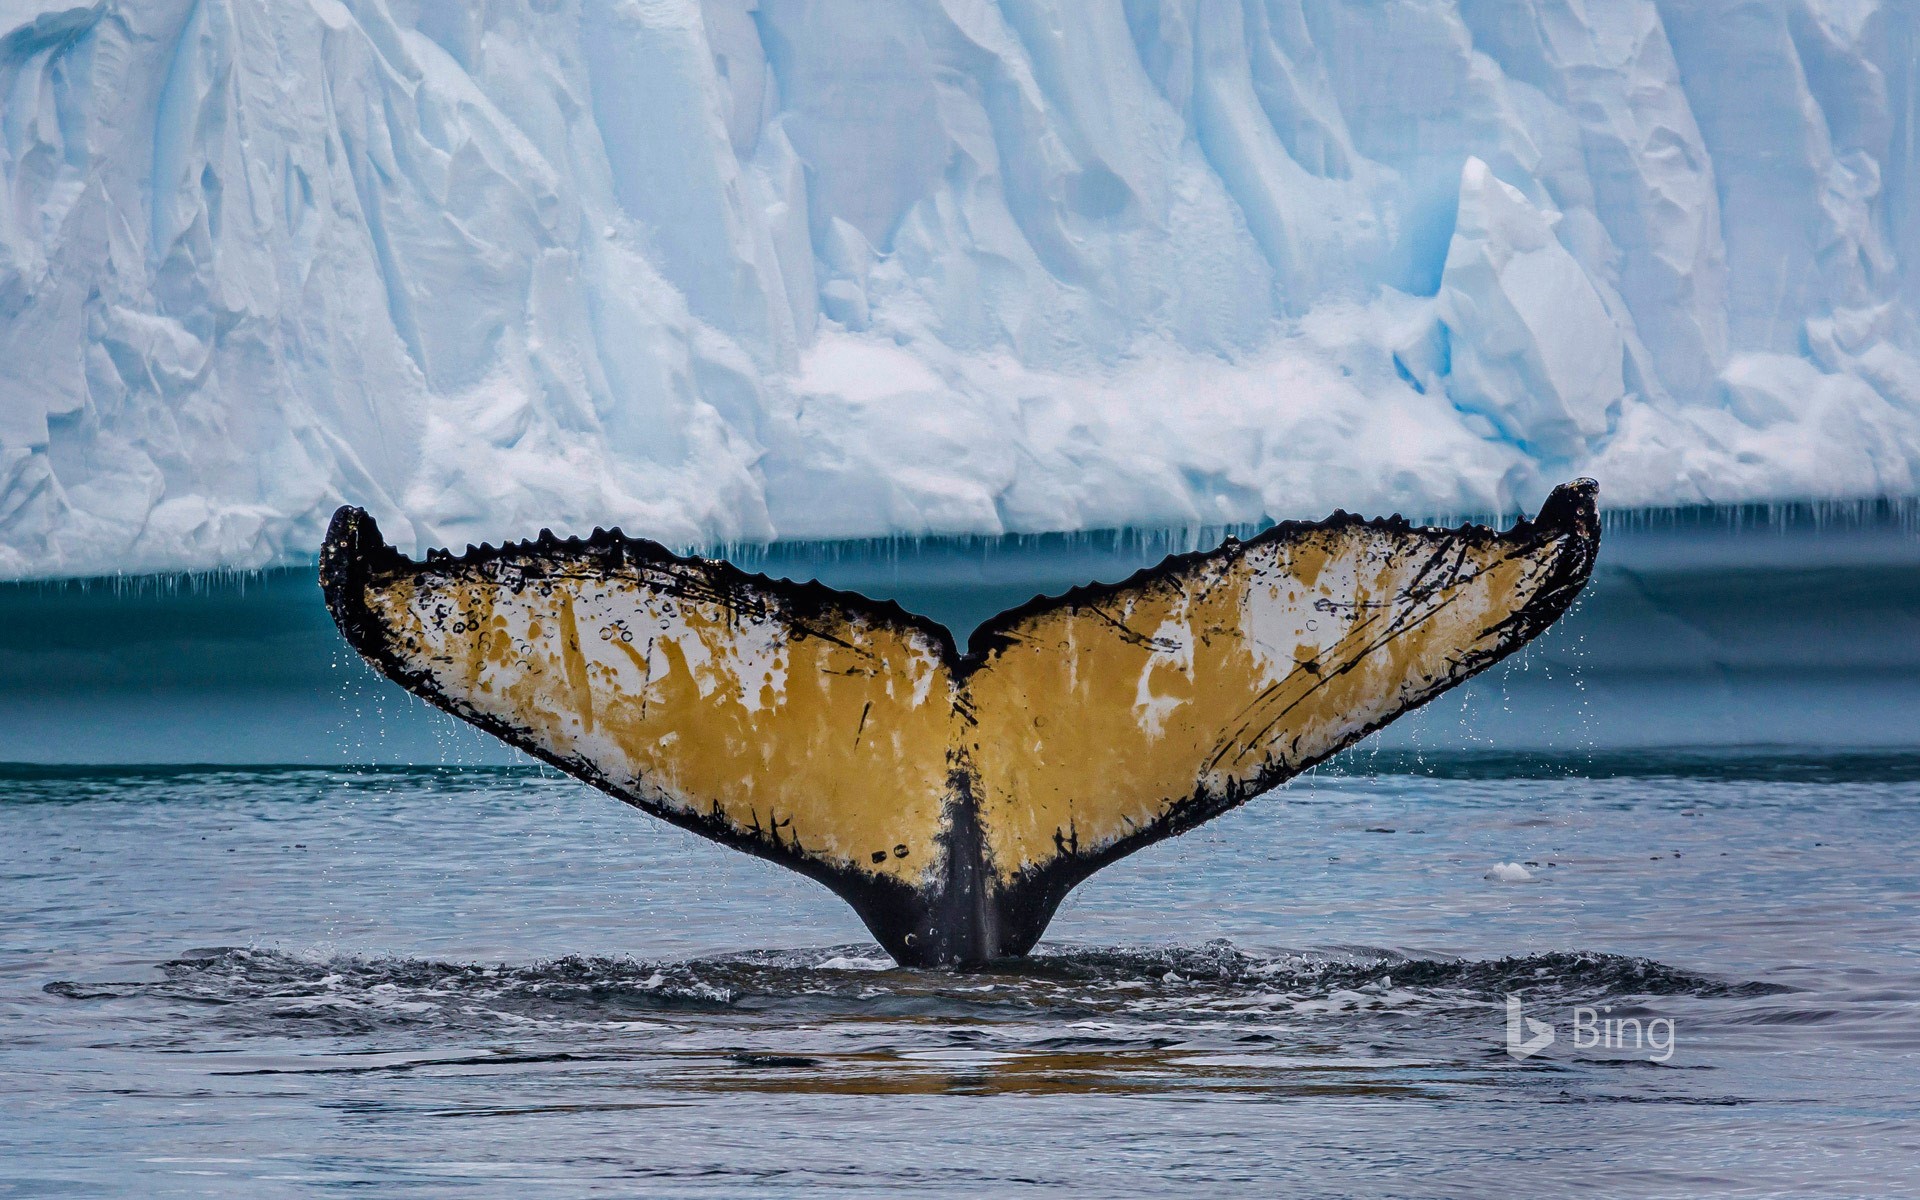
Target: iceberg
731,272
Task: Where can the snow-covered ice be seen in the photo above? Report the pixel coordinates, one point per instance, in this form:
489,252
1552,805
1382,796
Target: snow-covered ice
735,271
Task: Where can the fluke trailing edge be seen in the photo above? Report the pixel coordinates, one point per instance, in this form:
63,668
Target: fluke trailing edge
953,799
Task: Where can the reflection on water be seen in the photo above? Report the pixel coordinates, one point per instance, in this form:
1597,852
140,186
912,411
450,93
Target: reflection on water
487,982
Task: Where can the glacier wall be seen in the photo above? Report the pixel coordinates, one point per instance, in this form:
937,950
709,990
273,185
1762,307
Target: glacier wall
731,271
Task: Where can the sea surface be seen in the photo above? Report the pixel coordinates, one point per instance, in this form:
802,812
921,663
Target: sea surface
306,981
1688,817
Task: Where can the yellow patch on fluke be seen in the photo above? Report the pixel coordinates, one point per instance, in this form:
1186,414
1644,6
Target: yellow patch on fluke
953,799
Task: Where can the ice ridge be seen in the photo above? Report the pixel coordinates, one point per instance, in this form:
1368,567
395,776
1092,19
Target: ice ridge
727,272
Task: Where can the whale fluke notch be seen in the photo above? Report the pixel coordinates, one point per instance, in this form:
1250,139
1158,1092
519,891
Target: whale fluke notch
953,799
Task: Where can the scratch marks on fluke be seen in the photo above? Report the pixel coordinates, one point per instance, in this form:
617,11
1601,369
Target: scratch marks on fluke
976,788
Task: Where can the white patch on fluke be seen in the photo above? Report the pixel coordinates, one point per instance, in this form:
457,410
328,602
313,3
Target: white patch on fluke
927,667
1173,649
1280,616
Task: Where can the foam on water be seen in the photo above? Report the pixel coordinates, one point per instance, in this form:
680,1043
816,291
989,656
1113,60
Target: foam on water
1139,992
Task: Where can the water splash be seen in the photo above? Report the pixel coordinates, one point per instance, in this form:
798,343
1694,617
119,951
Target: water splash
264,991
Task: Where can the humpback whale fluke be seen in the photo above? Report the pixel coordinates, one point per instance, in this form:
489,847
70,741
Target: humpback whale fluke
953,799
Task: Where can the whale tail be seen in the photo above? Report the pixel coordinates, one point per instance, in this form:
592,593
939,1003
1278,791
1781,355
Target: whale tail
953,799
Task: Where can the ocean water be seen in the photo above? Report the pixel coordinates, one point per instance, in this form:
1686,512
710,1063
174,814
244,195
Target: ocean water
294,961
497,982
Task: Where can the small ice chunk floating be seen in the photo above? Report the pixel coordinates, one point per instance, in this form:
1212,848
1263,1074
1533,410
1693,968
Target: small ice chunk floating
953,799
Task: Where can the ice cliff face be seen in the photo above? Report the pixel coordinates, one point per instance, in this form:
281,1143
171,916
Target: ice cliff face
731,271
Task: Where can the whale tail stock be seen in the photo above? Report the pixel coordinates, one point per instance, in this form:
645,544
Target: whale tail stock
953,799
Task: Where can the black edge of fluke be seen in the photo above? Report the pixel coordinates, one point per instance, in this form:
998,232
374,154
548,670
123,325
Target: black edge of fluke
1572,511
1572,507
352,547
